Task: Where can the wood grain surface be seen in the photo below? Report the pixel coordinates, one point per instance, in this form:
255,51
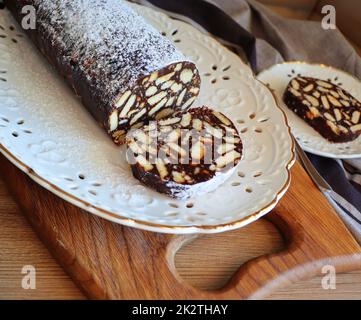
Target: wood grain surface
197,265
109,261
195,262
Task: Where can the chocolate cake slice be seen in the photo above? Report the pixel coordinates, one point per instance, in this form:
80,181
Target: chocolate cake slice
185,155
328,108
123,69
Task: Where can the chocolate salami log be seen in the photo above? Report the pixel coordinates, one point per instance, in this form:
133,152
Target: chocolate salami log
123,69
328,108
185,155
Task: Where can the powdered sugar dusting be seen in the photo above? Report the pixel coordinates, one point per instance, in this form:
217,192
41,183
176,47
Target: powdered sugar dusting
107,40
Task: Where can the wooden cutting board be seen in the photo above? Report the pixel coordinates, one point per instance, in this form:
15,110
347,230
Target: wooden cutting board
109,261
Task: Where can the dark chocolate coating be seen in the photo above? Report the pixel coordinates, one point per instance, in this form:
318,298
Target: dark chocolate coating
125,51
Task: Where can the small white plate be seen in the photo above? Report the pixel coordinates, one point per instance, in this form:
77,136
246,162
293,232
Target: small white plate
277,78
45,131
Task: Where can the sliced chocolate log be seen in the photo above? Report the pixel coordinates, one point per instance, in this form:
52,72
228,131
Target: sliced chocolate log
124,70
185,155
328,108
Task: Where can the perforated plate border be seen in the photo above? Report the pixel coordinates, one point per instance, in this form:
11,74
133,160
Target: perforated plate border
33,143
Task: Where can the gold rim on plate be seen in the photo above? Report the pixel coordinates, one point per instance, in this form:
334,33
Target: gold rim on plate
149,225
118,218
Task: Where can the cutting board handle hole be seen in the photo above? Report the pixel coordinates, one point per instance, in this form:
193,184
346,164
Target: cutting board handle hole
208,255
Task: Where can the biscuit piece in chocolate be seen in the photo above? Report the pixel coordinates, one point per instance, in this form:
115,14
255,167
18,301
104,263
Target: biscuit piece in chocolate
185,155
329,109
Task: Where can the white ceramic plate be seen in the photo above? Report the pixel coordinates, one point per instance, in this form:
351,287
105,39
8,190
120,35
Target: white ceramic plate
46,132
277,78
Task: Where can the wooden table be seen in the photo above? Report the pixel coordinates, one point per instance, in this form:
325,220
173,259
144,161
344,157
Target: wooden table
19,246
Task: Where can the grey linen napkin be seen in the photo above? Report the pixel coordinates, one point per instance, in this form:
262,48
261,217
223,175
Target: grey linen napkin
280,39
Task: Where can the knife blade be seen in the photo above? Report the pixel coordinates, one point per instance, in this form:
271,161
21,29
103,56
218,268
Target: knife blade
311,170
